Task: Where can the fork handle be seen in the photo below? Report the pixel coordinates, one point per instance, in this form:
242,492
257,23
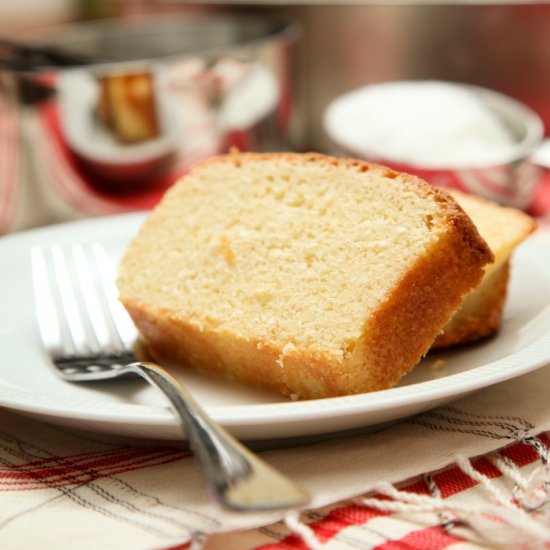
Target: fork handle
236,478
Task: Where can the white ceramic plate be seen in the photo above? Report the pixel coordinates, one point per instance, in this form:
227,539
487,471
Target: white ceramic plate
133,409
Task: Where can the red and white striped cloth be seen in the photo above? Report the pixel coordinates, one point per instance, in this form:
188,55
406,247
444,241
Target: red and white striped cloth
356,524
468,475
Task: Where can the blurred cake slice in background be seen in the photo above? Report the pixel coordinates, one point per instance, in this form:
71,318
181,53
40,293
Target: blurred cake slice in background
127,106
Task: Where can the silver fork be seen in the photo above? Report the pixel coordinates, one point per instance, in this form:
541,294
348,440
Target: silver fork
89,336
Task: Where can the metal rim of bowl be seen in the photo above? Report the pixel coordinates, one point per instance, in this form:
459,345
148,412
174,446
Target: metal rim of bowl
284,29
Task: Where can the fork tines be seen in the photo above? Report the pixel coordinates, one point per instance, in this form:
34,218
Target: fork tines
77,309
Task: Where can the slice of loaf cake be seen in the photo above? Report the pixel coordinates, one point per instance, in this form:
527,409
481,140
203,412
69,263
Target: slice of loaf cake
504,229
311,275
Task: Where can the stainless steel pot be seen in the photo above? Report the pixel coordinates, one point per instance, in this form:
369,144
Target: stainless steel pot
122,108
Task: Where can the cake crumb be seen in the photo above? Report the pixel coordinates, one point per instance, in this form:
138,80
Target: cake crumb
288,348
226,249
439,364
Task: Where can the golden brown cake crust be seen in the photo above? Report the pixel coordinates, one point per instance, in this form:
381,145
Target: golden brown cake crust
480,319
393,341
504,228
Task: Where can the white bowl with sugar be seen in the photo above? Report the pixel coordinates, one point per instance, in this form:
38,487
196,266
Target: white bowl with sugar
451,134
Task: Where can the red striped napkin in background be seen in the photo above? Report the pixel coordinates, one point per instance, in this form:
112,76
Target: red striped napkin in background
52,185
